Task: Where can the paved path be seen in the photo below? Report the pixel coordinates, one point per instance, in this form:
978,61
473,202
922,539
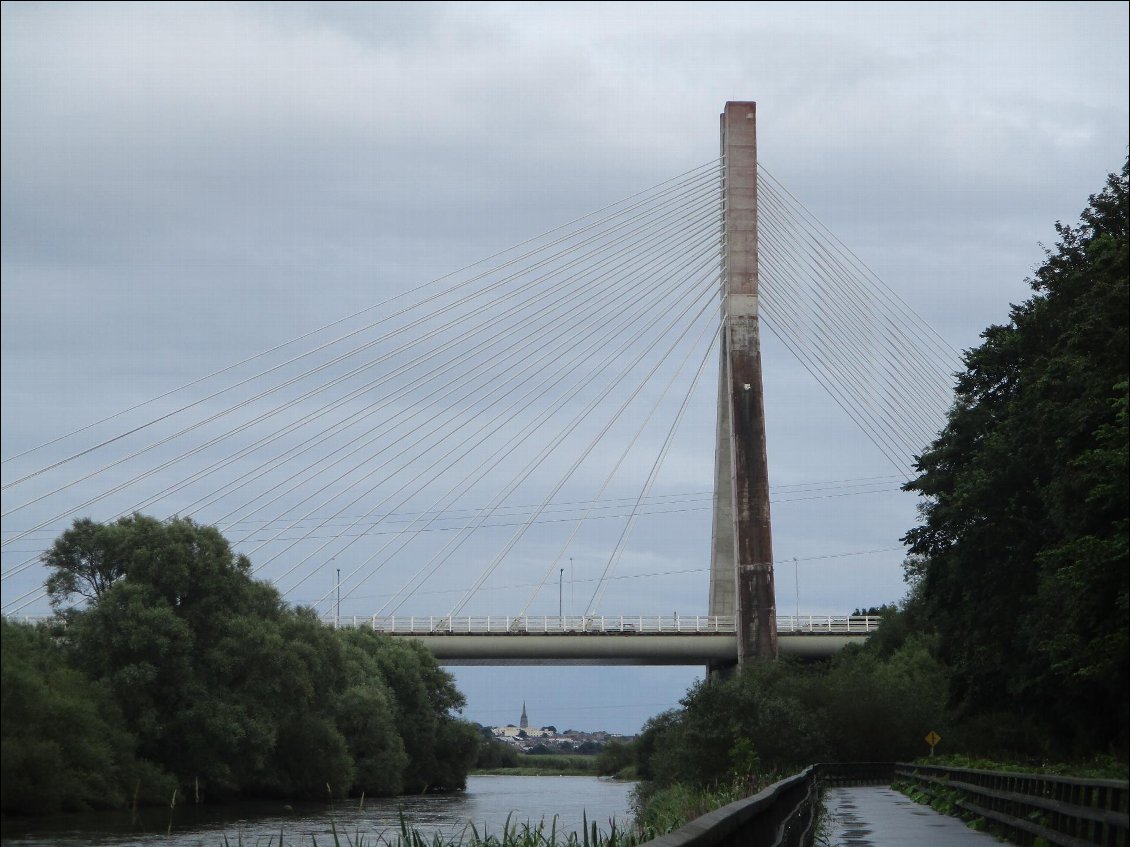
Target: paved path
882,817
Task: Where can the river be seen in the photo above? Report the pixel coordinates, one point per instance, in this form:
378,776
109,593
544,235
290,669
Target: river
486,803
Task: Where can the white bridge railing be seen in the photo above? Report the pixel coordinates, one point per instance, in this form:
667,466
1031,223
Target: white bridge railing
619,624
570,624
839,625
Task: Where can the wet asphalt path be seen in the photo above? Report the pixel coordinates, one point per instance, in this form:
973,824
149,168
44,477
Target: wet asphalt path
882,817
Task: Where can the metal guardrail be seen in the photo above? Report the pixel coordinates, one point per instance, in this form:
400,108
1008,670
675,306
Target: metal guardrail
572,624
1061,810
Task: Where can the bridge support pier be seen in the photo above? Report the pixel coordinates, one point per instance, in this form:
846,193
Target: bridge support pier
741,572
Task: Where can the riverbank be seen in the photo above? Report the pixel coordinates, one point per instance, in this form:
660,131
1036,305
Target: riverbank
487,804
531,771
557,764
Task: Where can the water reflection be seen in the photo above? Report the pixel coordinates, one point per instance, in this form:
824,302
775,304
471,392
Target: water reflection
486,804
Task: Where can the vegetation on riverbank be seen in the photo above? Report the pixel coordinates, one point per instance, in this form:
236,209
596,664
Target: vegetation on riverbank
1099,767
777,717
542,834
667,811
560,764
530,770
1019,568
954,796
658,811
182,673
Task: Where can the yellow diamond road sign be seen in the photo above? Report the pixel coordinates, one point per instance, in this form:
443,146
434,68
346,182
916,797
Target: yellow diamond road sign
933,738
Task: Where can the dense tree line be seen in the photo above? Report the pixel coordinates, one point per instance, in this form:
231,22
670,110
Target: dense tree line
1020,563
1012,642
870,704
182,672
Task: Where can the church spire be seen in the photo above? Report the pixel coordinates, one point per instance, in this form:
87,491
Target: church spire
524,723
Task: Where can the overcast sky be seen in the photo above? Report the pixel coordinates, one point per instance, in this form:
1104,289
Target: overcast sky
187,185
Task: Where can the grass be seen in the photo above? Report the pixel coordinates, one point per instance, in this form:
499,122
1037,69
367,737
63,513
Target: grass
667,809
948,800
529,770
557,764
661,812
564,761
520,835
1103,767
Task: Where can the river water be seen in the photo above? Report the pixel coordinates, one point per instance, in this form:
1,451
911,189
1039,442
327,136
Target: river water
486,803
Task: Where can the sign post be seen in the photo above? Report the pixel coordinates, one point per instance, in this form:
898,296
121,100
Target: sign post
932,738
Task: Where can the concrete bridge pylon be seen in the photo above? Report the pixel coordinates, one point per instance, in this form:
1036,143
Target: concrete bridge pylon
741,568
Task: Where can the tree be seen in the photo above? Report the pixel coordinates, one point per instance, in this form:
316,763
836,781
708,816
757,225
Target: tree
85,561
1020,560
614,758
870,611
440,749
495,754
366,715
179,636
231,691
660,733
457,744
301,686
65,744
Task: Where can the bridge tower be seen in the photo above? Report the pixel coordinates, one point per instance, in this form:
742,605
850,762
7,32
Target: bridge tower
741,566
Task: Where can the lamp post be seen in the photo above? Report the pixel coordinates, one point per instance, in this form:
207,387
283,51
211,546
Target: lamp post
560,583
337,613
796,578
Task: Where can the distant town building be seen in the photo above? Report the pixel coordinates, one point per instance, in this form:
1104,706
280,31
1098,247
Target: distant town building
525,738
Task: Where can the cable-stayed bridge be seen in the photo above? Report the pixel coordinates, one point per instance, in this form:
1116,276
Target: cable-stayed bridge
500,425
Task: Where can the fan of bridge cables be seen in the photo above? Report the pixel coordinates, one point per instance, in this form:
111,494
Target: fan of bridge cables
410,450
890,372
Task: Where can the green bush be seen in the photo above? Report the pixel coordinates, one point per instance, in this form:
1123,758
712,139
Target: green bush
175,653
65,744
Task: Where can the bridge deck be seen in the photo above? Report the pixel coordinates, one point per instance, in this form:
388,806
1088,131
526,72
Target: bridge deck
613,648
882,817
608,639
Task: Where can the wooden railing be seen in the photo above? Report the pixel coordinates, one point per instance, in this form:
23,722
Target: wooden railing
782,815
1024,807
1060,810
